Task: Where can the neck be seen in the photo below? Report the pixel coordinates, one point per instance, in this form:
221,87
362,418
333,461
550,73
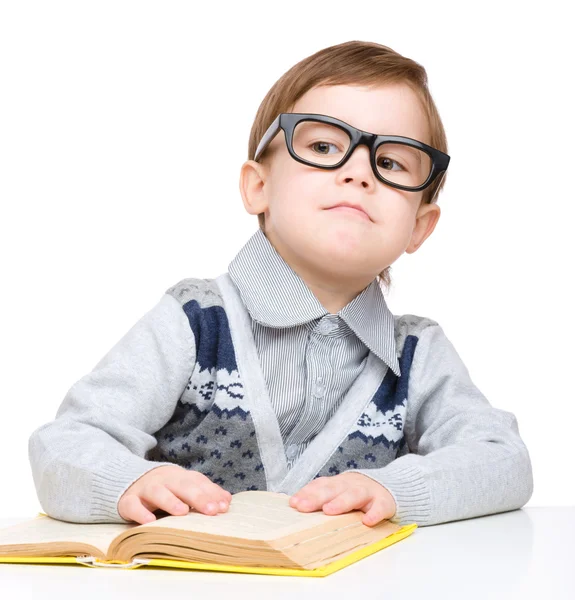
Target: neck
332,290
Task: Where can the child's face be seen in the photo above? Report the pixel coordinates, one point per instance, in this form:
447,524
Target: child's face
296,197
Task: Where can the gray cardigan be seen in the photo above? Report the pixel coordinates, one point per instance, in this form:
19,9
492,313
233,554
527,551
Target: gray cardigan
184,386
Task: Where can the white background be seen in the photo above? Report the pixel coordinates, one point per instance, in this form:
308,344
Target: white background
123,127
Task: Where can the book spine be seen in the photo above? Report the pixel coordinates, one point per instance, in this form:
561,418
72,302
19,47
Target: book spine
91,561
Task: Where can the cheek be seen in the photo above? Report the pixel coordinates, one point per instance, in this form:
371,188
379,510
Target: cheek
294,199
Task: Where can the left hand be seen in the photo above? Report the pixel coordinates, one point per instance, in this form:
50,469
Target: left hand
346,492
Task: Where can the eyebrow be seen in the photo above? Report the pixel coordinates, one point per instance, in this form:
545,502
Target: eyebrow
407,136
412,150
417,156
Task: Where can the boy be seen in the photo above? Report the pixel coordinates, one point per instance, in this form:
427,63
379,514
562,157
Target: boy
289,373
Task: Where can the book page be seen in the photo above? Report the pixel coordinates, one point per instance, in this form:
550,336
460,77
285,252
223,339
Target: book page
253,515
46,530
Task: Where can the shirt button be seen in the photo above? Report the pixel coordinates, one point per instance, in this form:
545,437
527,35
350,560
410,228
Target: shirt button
291,452
326,327
319,390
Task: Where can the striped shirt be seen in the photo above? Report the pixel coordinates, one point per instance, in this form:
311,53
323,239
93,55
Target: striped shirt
309,356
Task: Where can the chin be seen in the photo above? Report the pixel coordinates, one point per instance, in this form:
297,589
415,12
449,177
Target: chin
341,256
346,243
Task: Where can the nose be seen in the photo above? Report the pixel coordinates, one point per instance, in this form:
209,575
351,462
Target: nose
358,168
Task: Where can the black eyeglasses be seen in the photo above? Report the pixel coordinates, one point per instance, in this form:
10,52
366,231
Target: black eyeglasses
309,138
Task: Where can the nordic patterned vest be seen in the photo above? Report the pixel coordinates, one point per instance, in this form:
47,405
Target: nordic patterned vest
224,425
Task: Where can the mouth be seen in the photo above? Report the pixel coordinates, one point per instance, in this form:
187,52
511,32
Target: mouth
349,212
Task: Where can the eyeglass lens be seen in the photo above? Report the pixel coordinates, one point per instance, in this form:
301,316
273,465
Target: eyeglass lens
325,144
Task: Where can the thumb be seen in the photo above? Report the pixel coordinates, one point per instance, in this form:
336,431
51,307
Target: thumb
375,512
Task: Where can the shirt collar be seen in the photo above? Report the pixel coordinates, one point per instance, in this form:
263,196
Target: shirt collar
276,296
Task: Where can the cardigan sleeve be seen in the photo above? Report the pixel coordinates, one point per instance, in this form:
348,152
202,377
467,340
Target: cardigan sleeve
95,448
465,458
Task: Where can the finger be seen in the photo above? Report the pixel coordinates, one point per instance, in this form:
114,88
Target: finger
314,495
217,495
352,498
200,497
378,511
221,496
131,508
198,480
307,492
160,496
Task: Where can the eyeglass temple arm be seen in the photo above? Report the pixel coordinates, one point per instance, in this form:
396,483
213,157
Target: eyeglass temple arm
268,136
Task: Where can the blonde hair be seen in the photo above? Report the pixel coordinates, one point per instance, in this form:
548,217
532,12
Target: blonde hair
351,63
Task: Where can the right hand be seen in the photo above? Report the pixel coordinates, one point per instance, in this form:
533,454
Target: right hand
165,488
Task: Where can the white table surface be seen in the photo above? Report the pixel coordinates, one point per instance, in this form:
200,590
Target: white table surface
526,553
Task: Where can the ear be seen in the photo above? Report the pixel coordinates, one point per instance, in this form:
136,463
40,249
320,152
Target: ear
253,176
425,221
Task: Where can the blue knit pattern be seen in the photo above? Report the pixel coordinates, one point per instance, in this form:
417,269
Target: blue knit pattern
211,430
377,437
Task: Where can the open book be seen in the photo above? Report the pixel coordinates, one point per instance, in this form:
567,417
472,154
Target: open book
260,533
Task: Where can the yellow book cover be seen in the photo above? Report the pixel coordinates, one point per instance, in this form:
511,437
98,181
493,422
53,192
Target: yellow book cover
260,533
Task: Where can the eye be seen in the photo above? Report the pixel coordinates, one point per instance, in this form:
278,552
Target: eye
323,146
386,161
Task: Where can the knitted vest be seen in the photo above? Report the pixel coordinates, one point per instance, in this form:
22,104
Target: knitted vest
227,430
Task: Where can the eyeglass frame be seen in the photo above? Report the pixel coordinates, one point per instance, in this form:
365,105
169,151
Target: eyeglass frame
288,122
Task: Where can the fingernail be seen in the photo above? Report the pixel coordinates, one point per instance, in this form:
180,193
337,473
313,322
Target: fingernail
294,499
212,506
223,505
